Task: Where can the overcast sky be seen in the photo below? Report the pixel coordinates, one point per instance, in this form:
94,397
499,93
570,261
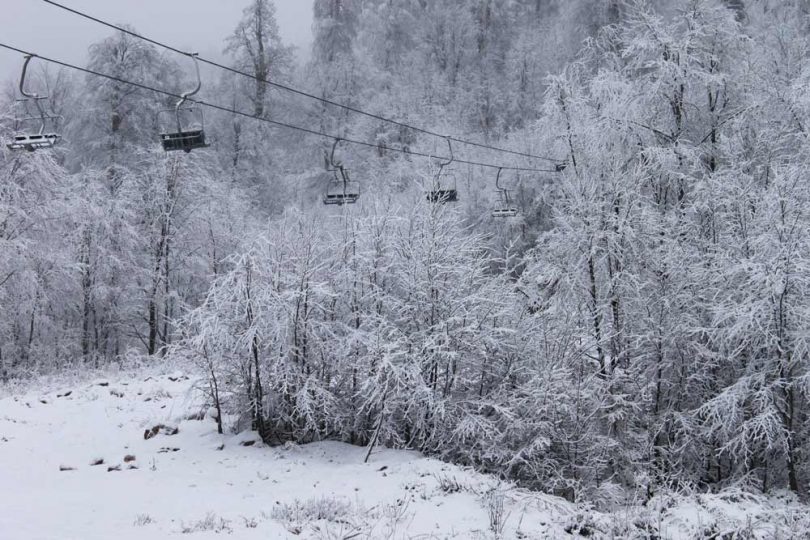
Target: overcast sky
193,25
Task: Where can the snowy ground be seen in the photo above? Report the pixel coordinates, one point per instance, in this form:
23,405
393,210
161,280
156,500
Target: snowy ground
201,484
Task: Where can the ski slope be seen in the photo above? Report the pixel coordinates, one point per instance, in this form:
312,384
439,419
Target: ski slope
197,484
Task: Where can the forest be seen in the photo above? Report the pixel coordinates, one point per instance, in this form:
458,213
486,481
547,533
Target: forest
614,301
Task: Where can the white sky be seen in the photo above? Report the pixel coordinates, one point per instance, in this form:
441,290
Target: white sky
193,25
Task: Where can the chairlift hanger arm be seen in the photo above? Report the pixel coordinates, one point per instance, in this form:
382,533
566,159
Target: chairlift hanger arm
338,165
23,76
452,157
332,162
38,139
444,164
194,92
32,95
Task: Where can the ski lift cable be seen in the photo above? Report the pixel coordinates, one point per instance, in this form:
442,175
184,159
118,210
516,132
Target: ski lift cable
301,92
266,120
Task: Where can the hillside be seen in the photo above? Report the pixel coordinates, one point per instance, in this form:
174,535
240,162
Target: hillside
205,485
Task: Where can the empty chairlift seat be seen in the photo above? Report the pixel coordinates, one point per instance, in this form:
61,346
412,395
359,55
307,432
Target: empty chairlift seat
184,139
505,212
504,208
183,128
339,192
33,141
34,127
443,190
443,194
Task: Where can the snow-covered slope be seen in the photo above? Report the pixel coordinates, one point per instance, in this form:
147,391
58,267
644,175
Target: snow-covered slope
196,482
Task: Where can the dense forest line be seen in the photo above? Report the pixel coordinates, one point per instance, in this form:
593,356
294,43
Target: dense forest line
642,323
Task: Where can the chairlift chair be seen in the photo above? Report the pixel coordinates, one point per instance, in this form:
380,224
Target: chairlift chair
32,139
505,209
505,212
183,128
341,189
443,190
341,192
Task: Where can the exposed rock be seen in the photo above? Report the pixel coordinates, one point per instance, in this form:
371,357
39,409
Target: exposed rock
160,428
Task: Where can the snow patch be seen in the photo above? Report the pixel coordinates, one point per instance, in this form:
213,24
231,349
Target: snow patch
80,467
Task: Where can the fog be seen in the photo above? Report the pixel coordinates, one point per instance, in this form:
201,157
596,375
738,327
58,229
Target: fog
194,25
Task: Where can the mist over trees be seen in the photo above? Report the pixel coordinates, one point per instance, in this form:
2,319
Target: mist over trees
642,325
